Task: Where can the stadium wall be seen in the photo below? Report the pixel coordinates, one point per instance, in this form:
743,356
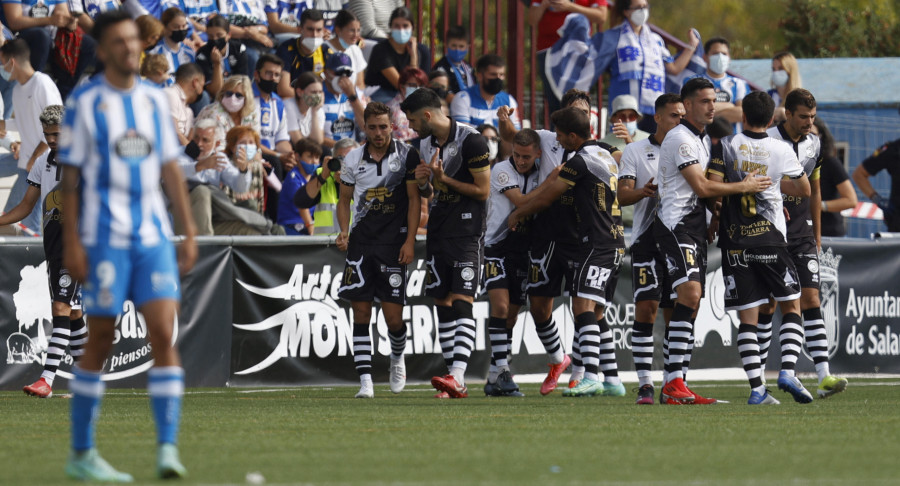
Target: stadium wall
264,311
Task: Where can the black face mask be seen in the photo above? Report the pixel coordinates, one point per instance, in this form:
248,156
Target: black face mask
267,85
493,86
178,35
220,43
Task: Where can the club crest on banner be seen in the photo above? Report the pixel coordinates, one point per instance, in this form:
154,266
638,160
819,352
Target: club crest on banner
829,295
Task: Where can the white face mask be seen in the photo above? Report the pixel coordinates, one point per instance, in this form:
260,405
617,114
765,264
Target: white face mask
718,63
640,16
249,150
780,77
631,127
312,43
335,85
493,148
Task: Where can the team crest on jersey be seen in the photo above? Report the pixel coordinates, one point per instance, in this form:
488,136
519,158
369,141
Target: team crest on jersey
394,165
810,152
467,274
395,280
685,150
503,178
266,117
133,145
452,150
65,281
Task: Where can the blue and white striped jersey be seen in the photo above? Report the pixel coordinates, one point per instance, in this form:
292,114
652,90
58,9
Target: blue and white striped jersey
251,9
469,107
272,120
120,140
200,10
93,8
183,55
288,11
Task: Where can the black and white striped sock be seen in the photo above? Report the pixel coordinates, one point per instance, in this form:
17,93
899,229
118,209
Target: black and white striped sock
464,338
748,346
642,350
77,338
59,341
607,354
791,336
549,334
764,335
589,341
679,337
446,332
362,350
398,342
816,340
499,347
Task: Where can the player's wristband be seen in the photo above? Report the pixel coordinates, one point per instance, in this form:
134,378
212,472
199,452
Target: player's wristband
353,98
825,206
320,179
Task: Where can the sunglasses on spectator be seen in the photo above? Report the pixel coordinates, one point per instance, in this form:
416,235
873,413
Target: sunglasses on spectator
230,94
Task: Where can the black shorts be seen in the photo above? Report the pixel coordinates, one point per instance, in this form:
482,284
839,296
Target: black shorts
63,288
597,274
550,263
508,270
684,253
805,255
753,275
453,265
649,278
373,274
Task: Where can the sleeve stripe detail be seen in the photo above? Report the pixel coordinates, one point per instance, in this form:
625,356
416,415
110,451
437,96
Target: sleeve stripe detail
688,164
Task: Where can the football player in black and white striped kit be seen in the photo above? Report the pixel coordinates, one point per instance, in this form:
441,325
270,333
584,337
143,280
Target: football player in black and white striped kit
590,174
379,178
69,328
459,171
680,227
752,236
506,264
804,233
640,163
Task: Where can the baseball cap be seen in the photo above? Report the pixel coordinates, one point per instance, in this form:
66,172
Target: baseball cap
340,63
625,102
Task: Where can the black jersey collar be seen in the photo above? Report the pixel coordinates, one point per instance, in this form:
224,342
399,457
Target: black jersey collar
756,135
653,141
786,136
699,133
368,158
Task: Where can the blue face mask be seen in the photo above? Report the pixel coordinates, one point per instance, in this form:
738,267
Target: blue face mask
631,127
344,44
410,90
401,36
310,169
456,55
250,151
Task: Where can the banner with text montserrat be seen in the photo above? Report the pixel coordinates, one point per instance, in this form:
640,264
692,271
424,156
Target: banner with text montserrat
261,315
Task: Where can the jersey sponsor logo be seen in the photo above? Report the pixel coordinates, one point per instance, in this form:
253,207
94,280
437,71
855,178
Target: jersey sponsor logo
685,150
133,146
597,277
747,167
379,193
752,151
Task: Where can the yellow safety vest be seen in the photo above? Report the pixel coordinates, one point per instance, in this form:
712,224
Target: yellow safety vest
326,222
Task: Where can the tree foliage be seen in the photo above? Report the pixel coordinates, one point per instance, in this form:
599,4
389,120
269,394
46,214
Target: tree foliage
831,28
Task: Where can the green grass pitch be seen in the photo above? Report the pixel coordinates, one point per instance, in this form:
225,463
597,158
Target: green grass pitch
324,436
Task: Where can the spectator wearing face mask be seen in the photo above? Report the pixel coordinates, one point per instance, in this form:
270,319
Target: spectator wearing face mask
173,43
222,55
478,104
489,132
439,82
304,113
234,106
411,80
730,91
274,138
624,123
343,101
391,56
460,74
374,16
249,24
346,39
297,221
242,147
306,53
785,78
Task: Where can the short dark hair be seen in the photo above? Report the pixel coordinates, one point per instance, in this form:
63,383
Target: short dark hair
106,20
268,59
188,71
17,49
489,60
305,79
828,148
376,108
401,13
694,85
714,41
343,18
572,120
307,145
312,14
171,14
758,108
457,32
799,97
438,73
719,128
526,137
219,21
666,99
574,95
421,99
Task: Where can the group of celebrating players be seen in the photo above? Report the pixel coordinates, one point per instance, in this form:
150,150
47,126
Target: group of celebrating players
552,214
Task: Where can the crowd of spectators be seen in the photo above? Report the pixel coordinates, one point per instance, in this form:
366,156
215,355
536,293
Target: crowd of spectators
263,93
